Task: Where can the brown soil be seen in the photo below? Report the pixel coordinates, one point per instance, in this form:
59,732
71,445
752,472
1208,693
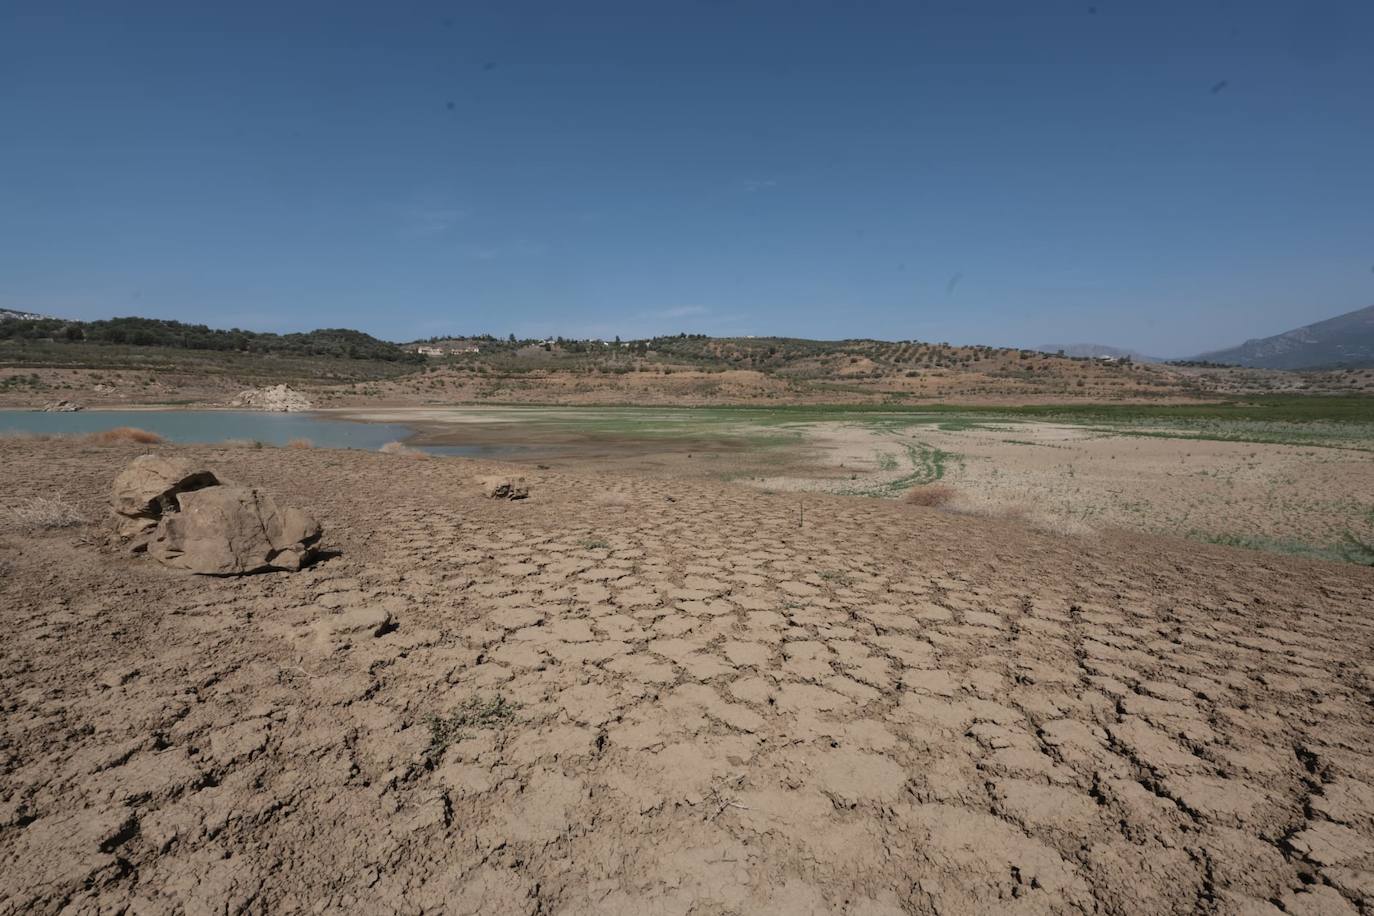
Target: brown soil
722,707
1058,381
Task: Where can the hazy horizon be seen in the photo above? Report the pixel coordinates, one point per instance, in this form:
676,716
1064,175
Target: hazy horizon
1170,180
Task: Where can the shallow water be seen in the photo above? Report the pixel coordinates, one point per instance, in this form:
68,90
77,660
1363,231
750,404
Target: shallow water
211,426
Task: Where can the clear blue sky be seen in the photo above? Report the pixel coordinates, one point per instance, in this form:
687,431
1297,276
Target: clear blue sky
1171,176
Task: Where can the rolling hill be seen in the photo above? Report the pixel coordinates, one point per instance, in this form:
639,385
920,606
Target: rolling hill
1094,350
1346,341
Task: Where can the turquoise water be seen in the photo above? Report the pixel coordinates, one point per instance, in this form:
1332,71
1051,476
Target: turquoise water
211,426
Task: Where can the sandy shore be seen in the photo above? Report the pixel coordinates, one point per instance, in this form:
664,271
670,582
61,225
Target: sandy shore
715,706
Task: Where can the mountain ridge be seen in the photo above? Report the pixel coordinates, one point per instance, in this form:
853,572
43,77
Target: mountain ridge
1345,341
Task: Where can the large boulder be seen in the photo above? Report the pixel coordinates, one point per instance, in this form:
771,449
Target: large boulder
186,517
231,530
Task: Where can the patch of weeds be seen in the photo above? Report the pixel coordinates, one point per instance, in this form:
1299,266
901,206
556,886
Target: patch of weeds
44,513
1351,550
1357,550
596,544
836,577
473,712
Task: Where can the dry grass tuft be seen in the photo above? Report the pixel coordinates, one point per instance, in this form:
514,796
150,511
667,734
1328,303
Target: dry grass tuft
300,443
933,495
46,513
124,435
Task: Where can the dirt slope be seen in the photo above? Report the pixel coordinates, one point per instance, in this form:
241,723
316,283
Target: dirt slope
885,710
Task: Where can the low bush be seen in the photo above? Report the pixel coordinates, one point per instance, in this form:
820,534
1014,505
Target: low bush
934,495
124,435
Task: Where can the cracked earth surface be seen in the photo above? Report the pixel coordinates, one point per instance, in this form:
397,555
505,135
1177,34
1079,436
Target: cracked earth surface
885,710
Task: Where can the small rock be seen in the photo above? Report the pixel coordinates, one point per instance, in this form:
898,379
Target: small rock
117,677
504,487
373,621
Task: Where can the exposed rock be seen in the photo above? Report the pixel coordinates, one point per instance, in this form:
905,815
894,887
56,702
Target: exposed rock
149,486
230,530
278,397
504,487
63,406
357,623
185,517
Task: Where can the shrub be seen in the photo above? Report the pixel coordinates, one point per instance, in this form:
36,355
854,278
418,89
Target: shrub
124,435
44,513
933,495
300,443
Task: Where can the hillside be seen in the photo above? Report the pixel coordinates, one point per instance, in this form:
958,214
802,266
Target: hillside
155,332
12,315
1096,350
131,361
1346,341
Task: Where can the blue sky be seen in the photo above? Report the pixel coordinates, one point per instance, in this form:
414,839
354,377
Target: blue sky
1168,176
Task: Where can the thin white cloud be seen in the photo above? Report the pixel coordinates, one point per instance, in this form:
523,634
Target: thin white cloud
680,311
520,248
428,218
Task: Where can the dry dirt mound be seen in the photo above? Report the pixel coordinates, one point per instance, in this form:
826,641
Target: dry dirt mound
688,706
278,398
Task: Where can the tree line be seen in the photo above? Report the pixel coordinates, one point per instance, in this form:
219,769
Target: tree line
340,343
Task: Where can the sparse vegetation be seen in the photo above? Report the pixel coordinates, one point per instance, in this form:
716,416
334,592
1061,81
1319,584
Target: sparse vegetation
124,435
46,513
932,495
473,713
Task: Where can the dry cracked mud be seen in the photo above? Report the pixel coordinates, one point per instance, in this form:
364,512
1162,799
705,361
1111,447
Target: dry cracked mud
883,710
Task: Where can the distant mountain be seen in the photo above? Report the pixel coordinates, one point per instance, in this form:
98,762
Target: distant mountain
1346,341
1093,349
20,316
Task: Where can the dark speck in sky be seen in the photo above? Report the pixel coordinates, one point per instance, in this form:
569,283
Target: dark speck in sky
489,65
1219,86
449,105
953,282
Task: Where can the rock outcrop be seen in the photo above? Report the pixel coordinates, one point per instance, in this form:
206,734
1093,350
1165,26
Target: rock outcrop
62,406
279,398
185,517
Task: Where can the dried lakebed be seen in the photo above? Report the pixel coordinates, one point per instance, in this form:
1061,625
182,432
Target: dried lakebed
703,707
